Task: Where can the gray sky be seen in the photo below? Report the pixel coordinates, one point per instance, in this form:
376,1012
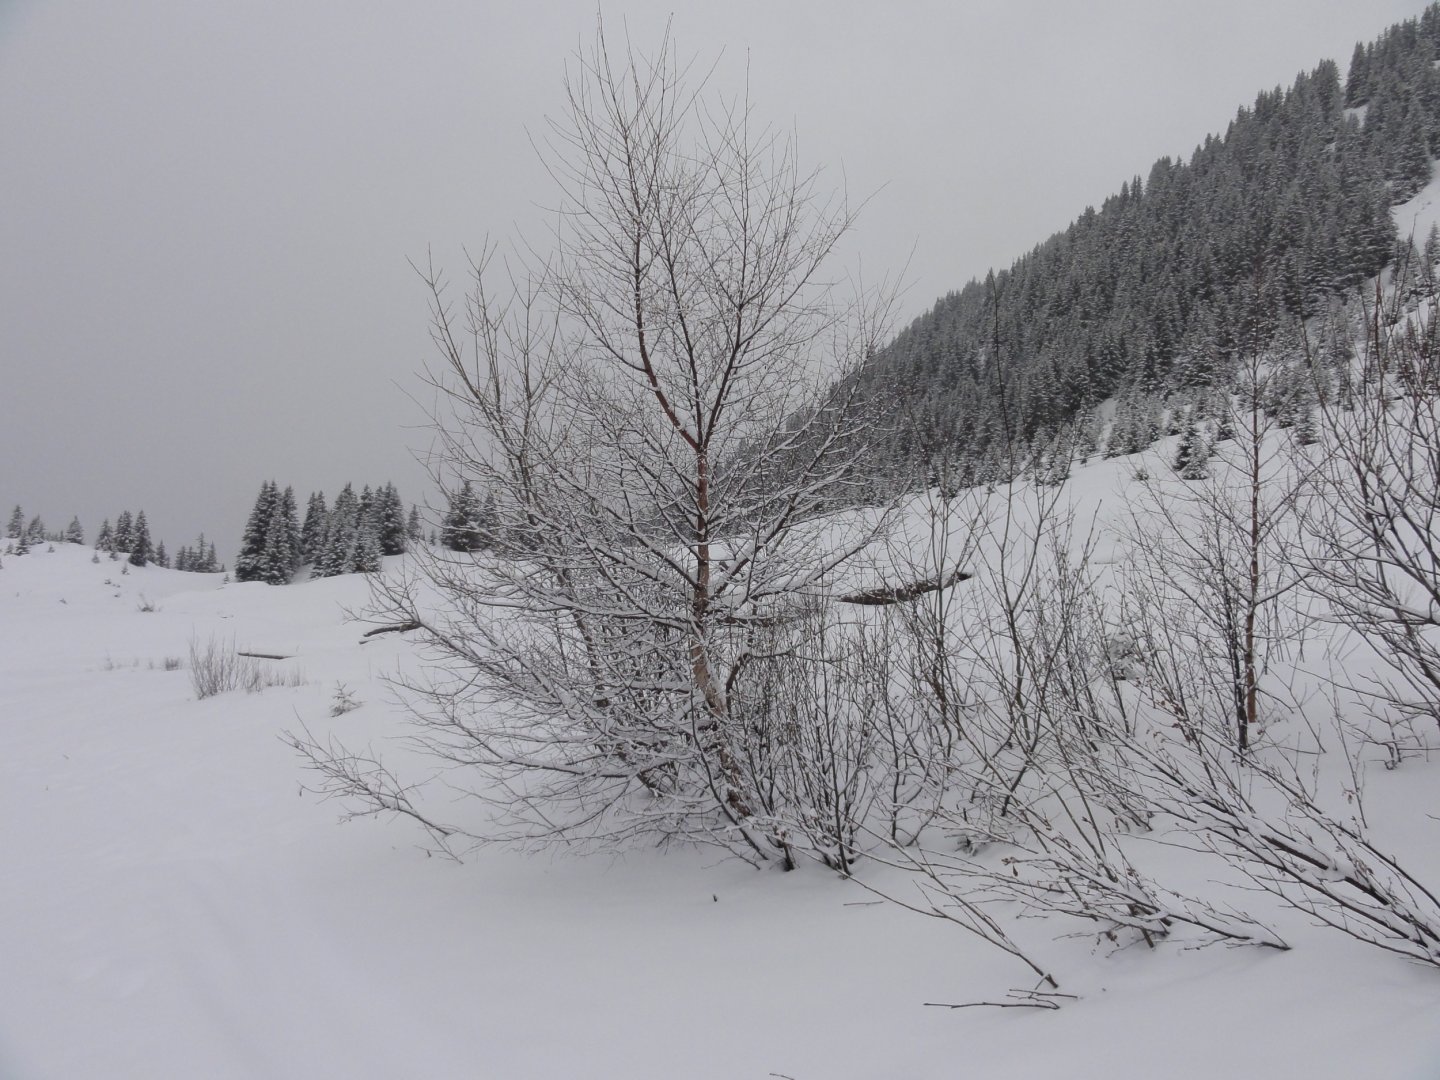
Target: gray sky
206,208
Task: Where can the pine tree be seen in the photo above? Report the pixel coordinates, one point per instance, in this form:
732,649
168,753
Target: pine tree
274,562
312,534
1306,431
367,552
1192,455
288,514
74,533
461,527
249,560
162,560
35,531
390,519
141,550
1224,422
105,541
340,535
124,535
414,531
16,528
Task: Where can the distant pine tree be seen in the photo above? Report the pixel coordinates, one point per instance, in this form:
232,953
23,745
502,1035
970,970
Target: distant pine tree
461,528
288,513
273,566
105,540
162,560
1306,431
390,521
16,528
414,530
141,550
35,531
1192,453
74,533
249,561
312,534
341,533
365,558
124,535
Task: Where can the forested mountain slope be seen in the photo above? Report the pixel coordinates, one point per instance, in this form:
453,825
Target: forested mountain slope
1158,290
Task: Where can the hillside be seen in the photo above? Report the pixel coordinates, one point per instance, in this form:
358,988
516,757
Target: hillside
1158,290
175,905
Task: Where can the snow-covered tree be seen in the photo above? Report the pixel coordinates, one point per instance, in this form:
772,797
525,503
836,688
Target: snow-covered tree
460,529
312,533
390,520
16,528
367,553
124,535
1192,452
642,539
141,549
273,566
341,533
249,561
74,532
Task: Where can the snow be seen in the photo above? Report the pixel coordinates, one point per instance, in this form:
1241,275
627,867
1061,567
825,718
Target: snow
1415,216
174,904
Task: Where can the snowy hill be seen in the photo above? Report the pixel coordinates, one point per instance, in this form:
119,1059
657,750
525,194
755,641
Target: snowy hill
174,905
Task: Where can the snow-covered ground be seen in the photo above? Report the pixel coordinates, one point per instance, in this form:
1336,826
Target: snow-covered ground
172,904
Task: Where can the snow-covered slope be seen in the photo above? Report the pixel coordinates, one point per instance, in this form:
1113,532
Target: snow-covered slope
172,904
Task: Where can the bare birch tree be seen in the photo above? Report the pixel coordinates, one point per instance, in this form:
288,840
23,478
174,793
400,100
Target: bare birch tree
1210,554
647,410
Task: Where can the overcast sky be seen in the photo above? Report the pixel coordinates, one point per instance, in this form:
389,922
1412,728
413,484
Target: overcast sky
206,208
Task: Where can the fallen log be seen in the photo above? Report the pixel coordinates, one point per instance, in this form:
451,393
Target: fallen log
900,594
394,628
263,655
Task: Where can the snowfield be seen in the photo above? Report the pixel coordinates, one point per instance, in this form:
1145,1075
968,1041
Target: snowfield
174,904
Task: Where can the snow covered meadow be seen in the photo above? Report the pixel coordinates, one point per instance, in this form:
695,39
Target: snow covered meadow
703,746
174,904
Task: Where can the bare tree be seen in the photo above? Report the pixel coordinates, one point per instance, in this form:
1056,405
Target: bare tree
1211,564
1372,511
648,412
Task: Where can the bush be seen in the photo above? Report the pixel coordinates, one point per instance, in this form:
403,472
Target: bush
216,667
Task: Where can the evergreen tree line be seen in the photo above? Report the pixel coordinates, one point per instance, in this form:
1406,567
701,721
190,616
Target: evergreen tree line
1170,280
22,535
346,537
129,536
